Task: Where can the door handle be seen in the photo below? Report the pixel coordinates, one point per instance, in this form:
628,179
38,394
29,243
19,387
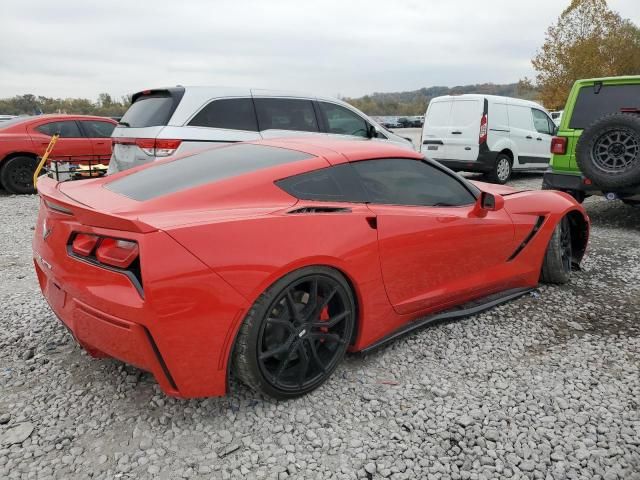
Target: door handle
529,137
539,139
102,143
456,133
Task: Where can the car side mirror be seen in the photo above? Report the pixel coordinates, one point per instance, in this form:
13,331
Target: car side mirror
371,131
491,202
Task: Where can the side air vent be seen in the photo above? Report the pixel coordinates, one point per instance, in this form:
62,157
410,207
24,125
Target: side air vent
303,210
528,238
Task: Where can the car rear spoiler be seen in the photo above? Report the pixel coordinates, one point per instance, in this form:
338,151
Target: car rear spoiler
55,200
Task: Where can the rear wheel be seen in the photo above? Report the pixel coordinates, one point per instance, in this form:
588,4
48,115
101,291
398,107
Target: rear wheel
296,333
501,171
17,174
559,256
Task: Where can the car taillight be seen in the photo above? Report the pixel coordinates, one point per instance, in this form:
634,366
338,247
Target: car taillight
559,145
117,253
156,147
483,129
83,244
166,148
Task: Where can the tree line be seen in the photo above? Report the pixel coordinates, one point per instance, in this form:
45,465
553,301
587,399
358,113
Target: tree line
29,104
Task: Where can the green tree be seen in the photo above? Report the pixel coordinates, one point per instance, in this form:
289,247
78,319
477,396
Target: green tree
588,40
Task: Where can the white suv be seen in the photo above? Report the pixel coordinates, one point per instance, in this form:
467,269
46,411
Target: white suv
489,134
169,121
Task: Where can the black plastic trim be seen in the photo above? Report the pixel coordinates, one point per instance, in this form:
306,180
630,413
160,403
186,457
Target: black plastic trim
528,238
464,310
161,361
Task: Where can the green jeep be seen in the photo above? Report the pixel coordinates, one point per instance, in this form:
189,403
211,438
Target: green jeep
596,150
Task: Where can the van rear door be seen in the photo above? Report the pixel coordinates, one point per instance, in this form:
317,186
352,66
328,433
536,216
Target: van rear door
435,129
463,135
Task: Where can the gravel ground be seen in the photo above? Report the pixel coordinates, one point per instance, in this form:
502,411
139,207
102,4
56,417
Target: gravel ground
545,387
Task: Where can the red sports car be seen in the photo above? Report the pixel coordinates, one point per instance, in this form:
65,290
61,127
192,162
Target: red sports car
23,139
273,258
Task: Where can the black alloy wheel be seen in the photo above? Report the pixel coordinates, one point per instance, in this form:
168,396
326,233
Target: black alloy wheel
296,333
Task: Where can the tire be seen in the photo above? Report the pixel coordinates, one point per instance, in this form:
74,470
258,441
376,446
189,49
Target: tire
608,151
16,175
283,348
631,203
556,267
501,171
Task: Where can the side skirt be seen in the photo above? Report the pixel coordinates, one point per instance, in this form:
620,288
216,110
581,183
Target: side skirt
461,311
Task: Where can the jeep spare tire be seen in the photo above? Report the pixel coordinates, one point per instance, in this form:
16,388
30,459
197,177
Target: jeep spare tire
608,151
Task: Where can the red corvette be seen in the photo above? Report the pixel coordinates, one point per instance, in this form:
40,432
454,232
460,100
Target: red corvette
23,139
274,258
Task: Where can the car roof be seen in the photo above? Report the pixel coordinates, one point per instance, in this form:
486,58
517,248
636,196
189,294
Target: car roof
620,79
495,98
349,149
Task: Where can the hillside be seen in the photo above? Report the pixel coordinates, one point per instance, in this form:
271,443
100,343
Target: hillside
415,102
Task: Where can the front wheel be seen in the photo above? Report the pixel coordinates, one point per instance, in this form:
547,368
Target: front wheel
559,255
501,171
296,333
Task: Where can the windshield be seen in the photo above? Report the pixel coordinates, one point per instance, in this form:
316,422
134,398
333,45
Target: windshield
149,111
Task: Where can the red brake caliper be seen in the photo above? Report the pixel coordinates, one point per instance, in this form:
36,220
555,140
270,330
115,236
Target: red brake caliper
324,316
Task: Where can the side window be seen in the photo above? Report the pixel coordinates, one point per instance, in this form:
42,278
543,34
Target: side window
411,182
520,117
541,121
286,114
230,113
66,129
343,121
380,135
97,129
333,184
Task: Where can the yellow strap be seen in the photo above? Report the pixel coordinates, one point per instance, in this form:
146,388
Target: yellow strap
53,141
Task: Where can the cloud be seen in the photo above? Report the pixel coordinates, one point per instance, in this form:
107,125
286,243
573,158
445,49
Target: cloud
79,48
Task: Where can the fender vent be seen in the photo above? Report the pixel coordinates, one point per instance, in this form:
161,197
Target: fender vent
302,210
528,238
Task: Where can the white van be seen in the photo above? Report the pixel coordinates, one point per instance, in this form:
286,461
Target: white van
489,134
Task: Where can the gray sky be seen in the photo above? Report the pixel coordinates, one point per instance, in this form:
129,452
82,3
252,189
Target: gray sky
79,48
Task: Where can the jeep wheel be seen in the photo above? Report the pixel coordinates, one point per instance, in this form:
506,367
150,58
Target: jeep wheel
16,175
608,151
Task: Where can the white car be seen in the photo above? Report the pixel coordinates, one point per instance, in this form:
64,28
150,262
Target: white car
557,117
489,134
172,121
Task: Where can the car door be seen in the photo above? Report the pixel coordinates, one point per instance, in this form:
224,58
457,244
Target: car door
435,129
544,128
99,134
462,137
72,145
434,249
523,134
339,121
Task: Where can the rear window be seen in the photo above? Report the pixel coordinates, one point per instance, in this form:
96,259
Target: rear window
465,112
438,115
150,110
203,168
595,102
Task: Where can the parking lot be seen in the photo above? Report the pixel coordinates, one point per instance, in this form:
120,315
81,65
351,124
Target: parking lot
547,386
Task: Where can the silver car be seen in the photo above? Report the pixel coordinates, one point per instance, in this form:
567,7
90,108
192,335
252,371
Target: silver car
171,121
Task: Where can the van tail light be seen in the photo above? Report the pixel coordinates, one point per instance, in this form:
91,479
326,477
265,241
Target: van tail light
483,129
117,253
84,244
559,145
154,147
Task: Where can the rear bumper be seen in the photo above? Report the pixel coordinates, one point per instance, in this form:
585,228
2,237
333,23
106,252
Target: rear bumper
485,162
576,183
105,335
